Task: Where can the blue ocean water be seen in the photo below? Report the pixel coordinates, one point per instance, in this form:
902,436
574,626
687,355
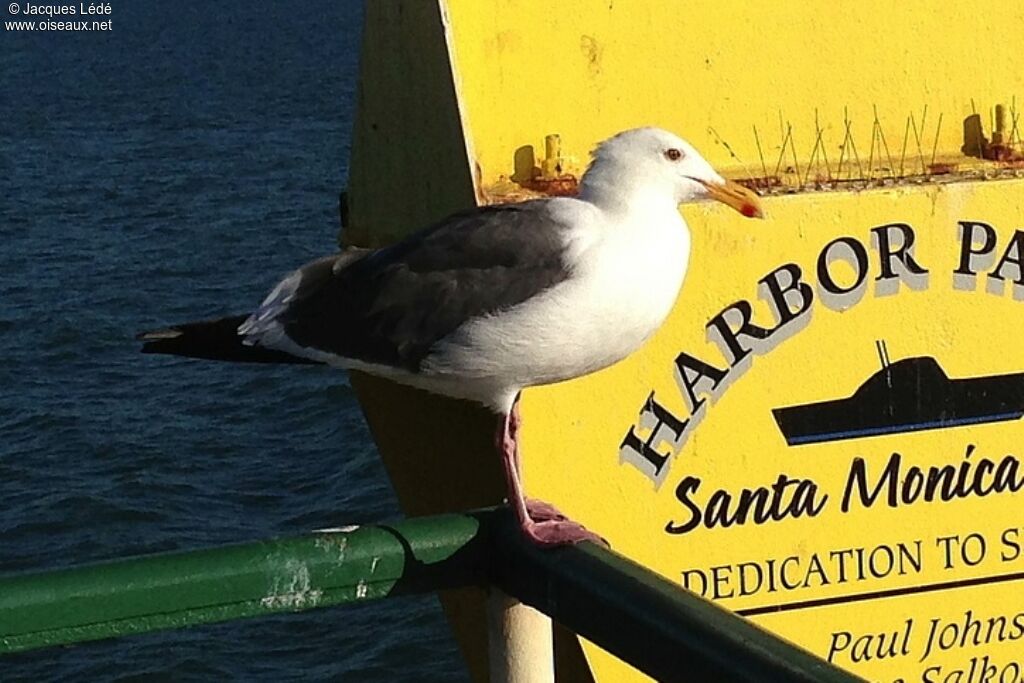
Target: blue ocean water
169,169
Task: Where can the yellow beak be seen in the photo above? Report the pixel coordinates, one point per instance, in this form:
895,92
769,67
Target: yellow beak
735,195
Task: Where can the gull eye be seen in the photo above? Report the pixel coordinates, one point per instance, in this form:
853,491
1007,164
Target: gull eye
673,154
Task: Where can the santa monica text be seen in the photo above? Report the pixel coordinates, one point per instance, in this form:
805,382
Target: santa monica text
895,484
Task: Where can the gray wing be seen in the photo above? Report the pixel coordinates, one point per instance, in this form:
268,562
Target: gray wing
392,305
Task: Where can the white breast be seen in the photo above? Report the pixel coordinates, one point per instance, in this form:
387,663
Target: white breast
626,275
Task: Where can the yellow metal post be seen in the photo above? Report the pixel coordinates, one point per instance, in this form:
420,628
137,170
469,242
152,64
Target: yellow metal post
410,166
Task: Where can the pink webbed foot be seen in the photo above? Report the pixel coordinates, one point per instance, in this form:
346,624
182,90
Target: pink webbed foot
546,526
539,511
556,532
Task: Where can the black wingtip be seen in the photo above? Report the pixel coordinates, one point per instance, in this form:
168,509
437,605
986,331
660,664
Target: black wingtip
212,340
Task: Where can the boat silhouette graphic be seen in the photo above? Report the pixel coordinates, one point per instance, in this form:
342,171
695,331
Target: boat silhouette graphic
909,395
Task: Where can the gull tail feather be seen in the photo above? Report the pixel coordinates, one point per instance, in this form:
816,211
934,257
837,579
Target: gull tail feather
216,339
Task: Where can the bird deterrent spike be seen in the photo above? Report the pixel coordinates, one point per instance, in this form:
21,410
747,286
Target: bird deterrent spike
814,155
871,152
824,153
856,156
842,155
819,144
881,136
935,145
920,152
782,153
760,154
917,140
906,136
853,144
792,147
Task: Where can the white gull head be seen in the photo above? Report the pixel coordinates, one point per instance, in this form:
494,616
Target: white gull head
654,165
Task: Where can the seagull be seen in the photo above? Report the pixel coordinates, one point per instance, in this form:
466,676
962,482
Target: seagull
489,301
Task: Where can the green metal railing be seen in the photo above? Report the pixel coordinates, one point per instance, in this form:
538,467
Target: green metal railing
633,613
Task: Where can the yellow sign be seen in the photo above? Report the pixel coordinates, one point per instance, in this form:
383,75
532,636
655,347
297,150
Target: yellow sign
827,435
824,436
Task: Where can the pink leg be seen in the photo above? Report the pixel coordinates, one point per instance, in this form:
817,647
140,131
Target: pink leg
540,522
536,510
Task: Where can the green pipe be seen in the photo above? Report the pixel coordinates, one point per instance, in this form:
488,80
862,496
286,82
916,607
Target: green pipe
655,625
175,590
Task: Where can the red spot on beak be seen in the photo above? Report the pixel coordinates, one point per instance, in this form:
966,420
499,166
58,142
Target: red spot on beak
749,210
